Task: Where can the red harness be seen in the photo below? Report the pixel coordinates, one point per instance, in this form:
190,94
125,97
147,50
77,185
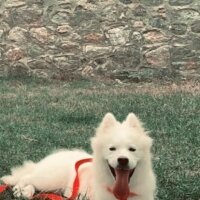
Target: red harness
52,196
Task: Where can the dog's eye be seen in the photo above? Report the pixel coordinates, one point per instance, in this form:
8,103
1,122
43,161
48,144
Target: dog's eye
112,148
132,149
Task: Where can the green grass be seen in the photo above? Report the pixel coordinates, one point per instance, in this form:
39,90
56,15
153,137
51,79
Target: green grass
38,116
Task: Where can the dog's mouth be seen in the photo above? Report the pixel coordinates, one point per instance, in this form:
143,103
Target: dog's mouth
121,171
122,177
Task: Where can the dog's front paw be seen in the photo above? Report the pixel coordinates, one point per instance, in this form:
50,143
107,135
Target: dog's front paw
17,191
27,191
7,180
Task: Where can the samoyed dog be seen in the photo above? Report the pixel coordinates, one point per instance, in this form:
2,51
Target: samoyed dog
121,167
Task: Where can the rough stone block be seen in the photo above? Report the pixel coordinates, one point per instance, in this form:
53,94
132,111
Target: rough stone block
1,33
140,11
15,54
126,1
155,36
17,34
128,57
97,50
195,27
159,57
152,2
93,37
181,53
14,3
158,22
119,35
196,42
180,2
187,15
41,34
179,29
24,15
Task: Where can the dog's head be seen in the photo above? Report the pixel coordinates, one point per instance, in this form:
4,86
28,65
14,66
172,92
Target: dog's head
121,145
120,148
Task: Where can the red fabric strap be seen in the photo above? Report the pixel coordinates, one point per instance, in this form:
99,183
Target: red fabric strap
47,196
76,183
3,188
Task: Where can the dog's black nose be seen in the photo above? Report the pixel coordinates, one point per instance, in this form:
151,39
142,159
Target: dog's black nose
123,161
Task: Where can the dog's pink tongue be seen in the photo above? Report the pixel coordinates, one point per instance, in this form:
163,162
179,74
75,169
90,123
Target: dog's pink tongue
121,187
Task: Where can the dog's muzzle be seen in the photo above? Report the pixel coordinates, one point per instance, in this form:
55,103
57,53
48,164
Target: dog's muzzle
122,175
123,166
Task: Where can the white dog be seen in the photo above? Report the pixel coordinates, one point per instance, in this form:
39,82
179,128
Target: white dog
121,168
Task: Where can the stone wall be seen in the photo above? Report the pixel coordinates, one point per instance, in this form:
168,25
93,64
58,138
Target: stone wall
121,39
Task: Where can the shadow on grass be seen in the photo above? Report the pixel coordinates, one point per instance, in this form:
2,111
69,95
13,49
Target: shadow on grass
77,118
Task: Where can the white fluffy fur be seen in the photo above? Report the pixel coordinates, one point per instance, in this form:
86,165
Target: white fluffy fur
56,171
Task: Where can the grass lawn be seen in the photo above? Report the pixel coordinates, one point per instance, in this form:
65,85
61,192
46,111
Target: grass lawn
38,116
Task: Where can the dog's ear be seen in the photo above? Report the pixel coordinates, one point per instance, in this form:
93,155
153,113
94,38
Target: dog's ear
108,121
133,121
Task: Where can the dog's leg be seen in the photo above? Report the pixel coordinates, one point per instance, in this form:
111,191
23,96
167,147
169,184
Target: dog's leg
24,188
9,180
27,191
